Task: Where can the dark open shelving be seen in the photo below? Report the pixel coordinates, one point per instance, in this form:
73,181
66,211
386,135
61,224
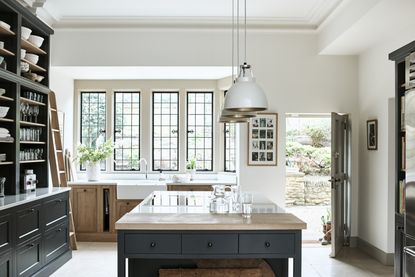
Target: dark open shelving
15,84
401,86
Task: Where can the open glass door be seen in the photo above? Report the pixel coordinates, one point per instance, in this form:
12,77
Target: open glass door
340,185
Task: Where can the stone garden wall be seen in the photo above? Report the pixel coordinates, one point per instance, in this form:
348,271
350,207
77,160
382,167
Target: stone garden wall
304,190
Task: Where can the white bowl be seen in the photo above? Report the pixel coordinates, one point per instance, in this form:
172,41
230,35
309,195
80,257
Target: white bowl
36,40
3,111
4,25
22,53
26,32
39,78
24,66
2,91
32,58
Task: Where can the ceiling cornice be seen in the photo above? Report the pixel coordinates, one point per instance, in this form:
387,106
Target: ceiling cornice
301,24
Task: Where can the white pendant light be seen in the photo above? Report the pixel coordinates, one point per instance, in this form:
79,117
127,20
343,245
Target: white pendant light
245,95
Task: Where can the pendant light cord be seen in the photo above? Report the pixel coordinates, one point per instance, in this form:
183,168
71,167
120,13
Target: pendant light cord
237,35
245,32
233,40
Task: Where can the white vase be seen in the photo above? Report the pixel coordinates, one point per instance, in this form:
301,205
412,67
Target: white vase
192,174
93,171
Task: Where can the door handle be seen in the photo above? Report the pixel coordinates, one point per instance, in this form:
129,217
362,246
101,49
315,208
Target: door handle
410,251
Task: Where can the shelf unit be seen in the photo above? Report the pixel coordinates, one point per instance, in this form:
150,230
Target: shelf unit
401,86
15,84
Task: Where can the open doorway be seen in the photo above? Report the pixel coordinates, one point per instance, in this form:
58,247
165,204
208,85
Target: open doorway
308,165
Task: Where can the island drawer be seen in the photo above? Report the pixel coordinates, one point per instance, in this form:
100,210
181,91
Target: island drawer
266,243
209,243
152,243
28,223
55,210
56,241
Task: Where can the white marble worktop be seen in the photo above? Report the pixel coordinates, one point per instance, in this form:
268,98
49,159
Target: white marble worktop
10,201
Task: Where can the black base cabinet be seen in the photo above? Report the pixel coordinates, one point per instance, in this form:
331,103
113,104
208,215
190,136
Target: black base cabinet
34,237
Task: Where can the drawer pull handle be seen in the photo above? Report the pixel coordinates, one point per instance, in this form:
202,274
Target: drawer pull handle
210,244
153,244
31,210
267,244
58,200
84,190
30,245
59,230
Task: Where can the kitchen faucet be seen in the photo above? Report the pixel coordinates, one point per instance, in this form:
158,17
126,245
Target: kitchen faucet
145,162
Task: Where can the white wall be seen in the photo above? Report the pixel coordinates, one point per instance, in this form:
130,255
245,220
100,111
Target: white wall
376,173
287,66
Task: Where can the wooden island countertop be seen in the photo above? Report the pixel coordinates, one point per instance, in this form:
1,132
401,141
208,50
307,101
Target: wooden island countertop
172,210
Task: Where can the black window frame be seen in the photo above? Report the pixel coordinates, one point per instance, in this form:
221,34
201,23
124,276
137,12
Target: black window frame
212,126
225,132
115,130
83,92
178,131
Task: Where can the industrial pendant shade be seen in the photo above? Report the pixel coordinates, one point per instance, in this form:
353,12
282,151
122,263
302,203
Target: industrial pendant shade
245,95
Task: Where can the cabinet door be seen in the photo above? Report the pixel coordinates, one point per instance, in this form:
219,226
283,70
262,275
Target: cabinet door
85,209
5,233
125,206
6,265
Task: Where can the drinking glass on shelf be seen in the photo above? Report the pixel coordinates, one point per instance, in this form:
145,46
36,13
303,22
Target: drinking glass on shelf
30,113
36,112
247,200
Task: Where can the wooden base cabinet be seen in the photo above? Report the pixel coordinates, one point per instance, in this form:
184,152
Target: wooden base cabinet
125,206
94,212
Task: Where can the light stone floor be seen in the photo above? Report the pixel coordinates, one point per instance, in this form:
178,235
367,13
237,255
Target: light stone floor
100,259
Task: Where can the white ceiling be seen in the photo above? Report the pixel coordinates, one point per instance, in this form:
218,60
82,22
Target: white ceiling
308,14
144,72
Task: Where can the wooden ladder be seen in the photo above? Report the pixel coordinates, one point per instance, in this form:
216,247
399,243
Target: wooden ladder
57,161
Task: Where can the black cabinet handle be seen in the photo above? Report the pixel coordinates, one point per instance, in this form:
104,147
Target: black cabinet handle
31,210
267,244
210,244
30,245
400,228
84,190
58,200
59,230
153,244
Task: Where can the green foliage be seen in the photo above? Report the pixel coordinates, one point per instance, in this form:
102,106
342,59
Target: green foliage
95,154
309,159
191,164
319,136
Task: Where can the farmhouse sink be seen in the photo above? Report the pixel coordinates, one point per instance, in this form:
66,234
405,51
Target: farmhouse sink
138,189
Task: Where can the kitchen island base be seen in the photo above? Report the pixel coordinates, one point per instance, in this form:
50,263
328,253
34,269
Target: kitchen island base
146,252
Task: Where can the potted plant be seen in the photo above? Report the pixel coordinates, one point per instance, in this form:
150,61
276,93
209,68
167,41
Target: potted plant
91,157
191,168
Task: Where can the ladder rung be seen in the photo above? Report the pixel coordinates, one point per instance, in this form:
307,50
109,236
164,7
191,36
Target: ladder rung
53,110
61,171
55,130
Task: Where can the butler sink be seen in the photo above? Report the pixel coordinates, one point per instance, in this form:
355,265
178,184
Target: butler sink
138,189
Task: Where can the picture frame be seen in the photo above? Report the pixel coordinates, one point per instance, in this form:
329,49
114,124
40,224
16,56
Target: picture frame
372,134
263,140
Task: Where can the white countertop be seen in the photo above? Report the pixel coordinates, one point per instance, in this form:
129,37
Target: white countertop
13,200
173,210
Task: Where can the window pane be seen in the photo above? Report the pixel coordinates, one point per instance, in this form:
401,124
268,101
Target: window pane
165,131
127,131
93,121
200,129
230,146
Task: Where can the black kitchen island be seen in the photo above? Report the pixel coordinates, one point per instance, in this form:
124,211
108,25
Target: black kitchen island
175,229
